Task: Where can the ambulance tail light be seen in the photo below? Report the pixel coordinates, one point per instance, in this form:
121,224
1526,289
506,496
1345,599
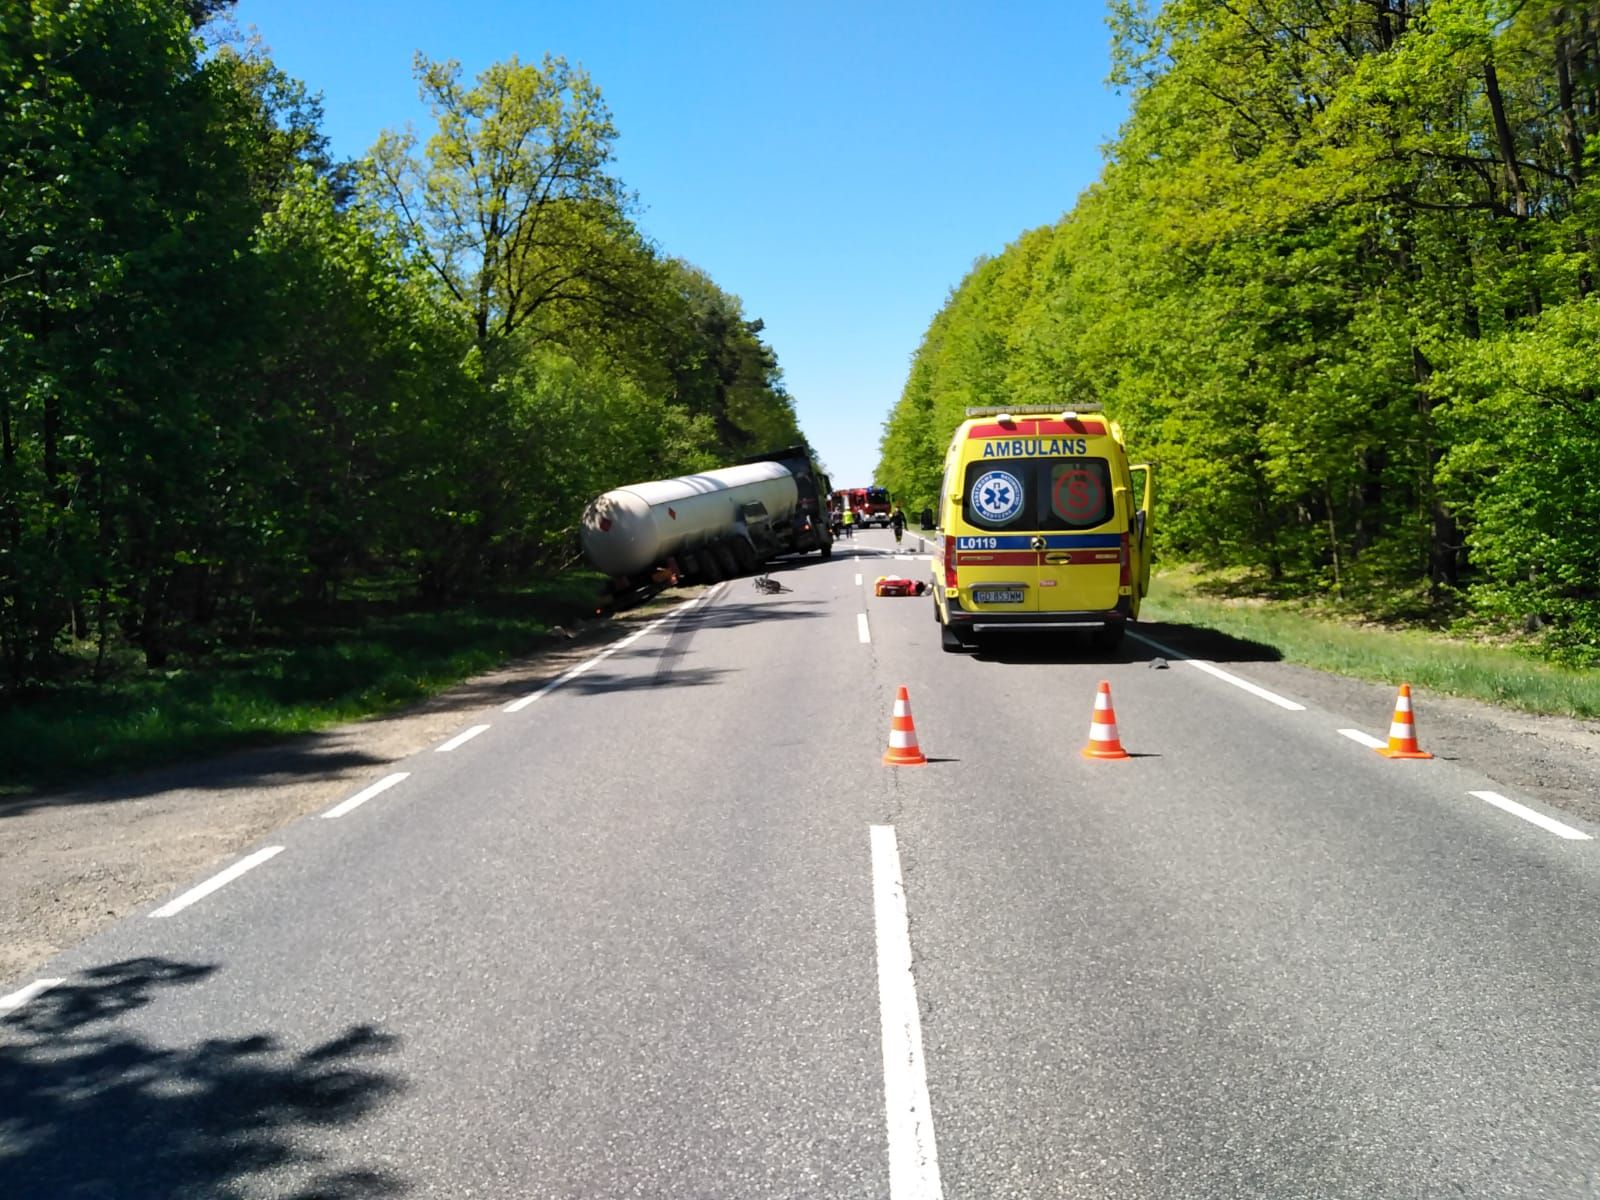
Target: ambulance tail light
1124,563
950,563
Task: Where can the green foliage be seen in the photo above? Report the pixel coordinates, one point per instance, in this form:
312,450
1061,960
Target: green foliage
1324,282
1494,674
1525,426
348,661
237,377
121,203
511,206
593,361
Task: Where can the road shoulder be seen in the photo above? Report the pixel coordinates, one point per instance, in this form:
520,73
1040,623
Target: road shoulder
1552,759
74,861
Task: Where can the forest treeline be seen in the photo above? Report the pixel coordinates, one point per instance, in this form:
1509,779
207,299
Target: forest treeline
237,375
1338,281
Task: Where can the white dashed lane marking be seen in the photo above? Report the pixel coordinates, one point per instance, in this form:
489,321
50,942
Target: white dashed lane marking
913,1153
1366,739
10,1003
361,797
588,663
221,879
462,738
1549,824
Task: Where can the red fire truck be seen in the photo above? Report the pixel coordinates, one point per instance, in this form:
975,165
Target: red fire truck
872,505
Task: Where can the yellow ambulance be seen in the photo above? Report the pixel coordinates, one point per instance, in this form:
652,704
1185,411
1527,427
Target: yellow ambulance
1044,526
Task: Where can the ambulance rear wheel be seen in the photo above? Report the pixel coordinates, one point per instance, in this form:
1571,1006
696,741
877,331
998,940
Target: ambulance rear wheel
1109,637
951,641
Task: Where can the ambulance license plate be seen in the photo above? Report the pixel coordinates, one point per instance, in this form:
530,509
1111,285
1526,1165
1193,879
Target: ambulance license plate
997,596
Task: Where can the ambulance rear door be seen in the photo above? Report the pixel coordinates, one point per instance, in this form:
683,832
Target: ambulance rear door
996,556
1081,561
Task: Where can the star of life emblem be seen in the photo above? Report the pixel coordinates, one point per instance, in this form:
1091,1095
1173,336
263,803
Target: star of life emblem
997,497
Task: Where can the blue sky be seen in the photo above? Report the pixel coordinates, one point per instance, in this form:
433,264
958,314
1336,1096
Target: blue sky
838,166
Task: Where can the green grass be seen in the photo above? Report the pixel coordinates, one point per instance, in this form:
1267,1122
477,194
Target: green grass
368,658
1492,673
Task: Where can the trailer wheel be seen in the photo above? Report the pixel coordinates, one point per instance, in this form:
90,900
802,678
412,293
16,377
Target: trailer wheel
723,553
710,568
744,554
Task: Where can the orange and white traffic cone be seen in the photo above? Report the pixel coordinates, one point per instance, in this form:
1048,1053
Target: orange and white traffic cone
1403,730
1103,740
903,750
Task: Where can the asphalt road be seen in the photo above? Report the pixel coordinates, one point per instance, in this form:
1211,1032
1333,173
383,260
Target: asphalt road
646,936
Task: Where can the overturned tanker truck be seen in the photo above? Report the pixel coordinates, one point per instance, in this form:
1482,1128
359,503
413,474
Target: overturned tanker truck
708,527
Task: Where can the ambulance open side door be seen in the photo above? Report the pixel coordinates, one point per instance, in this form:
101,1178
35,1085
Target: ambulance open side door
1144,535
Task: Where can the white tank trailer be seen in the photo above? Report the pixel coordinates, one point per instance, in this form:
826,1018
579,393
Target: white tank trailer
705,527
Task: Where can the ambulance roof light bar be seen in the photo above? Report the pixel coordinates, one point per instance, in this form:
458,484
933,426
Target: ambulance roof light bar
1035,410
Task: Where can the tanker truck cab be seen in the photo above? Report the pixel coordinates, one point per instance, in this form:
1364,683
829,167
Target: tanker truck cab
1044,526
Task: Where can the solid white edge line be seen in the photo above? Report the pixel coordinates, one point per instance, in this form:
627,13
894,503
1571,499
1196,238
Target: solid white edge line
1366,739
10,1004
361,797
862,632
913,1153
1201,664
858,580
460,739
1537,818
572,673
221,879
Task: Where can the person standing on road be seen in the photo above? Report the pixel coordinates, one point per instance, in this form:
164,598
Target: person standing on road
849,519
897,521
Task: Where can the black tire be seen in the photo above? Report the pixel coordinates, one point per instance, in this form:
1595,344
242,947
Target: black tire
1109,636
723,553
827,550
710,569
952,642
745,556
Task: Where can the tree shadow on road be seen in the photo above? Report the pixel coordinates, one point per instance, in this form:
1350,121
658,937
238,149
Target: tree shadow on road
1079,648
733,615
1199,642
90,1108
600,683
304,756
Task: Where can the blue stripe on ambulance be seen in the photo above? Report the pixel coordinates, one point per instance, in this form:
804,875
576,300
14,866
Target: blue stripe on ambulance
1052,541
